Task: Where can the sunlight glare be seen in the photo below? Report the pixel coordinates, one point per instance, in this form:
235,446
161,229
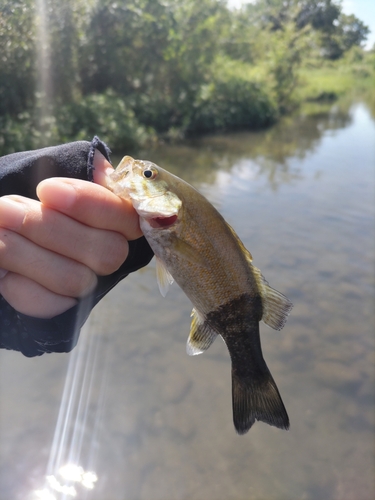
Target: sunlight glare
88,480
76,473
70,473
44,494
61,488
77,429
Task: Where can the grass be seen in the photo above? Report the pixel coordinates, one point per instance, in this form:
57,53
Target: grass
353,75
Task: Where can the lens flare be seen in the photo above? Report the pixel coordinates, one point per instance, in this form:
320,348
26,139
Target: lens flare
77,428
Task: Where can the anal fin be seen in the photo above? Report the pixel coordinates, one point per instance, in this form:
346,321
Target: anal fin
201,335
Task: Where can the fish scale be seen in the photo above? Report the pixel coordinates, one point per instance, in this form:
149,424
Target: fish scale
195,247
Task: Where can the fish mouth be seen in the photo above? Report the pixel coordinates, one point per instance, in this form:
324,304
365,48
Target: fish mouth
162,222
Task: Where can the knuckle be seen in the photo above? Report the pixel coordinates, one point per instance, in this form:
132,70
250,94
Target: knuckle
81,281
7,245
109,257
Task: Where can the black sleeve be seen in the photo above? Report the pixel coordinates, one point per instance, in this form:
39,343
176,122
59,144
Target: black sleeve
20,173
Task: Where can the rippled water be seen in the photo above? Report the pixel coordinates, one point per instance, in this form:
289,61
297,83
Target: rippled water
155,424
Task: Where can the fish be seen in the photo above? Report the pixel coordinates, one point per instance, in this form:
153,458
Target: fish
195,247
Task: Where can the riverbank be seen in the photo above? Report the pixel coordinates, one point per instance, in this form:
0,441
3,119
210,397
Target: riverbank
353,75
149,71
243,98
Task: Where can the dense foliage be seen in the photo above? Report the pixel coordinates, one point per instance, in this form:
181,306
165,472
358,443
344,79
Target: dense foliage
131,70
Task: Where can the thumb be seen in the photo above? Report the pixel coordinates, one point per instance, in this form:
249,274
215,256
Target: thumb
102,169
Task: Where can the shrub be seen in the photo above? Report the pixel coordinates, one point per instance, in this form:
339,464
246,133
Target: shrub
232,102
16,133
106,115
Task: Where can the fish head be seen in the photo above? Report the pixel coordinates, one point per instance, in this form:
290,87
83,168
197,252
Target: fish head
147,186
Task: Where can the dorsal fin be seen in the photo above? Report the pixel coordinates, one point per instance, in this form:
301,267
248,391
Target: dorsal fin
244,250
276,307
201,336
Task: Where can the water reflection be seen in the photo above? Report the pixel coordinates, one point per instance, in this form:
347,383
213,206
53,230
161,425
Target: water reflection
272,151
155,424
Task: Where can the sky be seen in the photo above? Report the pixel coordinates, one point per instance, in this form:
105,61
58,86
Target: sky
363,9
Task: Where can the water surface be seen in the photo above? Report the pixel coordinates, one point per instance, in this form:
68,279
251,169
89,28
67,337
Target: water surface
155,424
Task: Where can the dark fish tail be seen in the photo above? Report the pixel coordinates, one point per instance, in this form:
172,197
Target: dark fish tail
254,393
257,399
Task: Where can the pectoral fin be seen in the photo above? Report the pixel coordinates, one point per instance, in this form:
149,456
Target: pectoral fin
163,277
201,336
187,252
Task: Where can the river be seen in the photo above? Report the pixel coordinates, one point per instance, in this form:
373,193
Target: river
140,420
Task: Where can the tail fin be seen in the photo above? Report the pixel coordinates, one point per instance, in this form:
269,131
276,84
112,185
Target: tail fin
257,398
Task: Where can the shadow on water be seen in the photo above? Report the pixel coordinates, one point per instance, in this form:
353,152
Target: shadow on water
147,421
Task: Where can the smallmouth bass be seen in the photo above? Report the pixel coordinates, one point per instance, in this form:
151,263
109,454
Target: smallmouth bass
195,247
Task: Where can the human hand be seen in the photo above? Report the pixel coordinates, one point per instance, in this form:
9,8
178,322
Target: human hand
52,250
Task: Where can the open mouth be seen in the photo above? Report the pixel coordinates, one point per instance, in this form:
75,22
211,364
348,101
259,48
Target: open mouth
162,222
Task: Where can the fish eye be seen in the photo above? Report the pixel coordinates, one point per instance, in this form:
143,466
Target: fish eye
149,173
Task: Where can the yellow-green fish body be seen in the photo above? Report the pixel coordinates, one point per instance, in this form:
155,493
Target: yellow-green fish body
195,247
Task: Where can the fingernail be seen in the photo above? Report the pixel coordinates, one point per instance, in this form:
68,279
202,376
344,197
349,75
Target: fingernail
12,213
109,171
102,175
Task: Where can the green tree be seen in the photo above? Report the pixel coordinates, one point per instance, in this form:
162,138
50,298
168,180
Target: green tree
124,45
174,66
193,43
67,23
353,31
154,52
320,14
336,32
17,56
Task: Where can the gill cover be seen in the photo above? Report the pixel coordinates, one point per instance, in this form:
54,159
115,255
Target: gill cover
142,181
